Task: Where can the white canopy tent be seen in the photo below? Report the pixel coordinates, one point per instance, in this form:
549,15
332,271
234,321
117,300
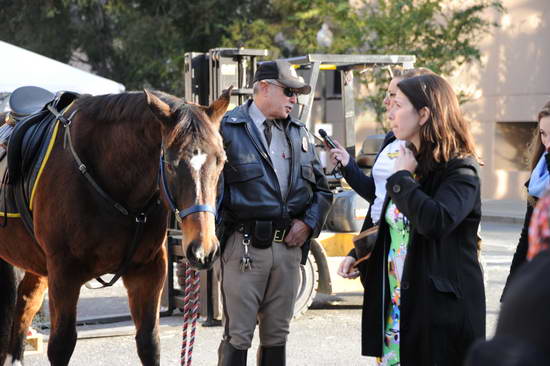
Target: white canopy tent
20,67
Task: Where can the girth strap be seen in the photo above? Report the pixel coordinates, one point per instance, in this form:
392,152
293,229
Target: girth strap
141,219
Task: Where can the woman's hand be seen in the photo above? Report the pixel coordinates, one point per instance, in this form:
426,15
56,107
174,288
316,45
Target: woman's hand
345,270
405,161
339,154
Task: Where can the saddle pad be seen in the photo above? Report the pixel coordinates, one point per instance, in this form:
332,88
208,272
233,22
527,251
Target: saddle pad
32,174
7,199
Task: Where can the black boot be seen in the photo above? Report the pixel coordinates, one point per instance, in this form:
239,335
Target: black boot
272,356
230,356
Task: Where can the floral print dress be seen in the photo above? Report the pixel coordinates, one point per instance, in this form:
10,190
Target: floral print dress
399,232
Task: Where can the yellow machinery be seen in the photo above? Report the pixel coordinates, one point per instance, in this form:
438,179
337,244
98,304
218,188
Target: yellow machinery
206,75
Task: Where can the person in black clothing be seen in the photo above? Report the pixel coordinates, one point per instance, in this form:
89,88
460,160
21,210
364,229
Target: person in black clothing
536,185
424,300
275,199
521,337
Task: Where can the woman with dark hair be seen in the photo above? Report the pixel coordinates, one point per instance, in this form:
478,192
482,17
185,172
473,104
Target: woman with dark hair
424,295
372,187
539,164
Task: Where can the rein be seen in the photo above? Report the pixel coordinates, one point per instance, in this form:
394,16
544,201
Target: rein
192,278
140,216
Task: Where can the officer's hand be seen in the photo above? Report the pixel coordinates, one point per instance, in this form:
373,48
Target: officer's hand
339,154
299,232
345,270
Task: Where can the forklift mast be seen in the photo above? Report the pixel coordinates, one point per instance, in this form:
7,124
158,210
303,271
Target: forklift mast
205,76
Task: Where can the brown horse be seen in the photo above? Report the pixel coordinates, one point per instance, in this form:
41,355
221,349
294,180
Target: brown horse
79,235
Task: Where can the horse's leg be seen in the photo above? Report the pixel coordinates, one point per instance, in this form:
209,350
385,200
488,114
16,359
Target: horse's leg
30,295
144,287
63,293
8,291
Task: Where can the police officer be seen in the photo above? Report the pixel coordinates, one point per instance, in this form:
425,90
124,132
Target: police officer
275,199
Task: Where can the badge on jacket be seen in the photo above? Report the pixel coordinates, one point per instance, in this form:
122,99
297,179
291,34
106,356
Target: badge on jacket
305,144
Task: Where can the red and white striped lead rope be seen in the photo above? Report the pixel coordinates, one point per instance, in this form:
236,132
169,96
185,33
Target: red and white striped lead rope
190,313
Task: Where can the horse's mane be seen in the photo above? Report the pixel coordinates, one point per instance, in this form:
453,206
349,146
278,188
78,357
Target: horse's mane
111,108
192,127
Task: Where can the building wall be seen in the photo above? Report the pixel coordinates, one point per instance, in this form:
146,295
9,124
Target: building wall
508,90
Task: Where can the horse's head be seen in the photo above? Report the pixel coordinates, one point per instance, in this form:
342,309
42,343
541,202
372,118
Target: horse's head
193,159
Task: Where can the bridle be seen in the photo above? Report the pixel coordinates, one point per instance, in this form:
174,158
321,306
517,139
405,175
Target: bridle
180,214
140,215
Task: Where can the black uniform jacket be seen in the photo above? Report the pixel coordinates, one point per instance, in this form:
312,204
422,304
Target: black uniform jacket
251,188
442,293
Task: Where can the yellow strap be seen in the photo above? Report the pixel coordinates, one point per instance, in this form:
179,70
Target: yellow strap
10,215
46,157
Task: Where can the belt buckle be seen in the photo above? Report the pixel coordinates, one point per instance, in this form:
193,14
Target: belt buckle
279,236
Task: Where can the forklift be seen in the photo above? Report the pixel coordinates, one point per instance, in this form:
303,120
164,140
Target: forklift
206,75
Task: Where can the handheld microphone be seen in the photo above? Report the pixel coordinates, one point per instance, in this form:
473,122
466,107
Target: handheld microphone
327,139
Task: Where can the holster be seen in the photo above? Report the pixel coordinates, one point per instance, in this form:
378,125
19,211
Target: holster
262,235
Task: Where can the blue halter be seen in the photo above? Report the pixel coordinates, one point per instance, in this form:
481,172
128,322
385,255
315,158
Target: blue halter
180,215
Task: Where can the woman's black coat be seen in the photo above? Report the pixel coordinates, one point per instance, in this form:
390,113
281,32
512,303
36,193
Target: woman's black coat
520,256
442,294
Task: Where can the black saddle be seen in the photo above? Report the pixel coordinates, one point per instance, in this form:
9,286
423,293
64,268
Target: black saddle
28,134
28,100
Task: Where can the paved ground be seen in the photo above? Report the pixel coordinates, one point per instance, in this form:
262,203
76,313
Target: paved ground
328,334
510,211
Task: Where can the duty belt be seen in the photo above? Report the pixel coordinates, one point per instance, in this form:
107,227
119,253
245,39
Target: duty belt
259,231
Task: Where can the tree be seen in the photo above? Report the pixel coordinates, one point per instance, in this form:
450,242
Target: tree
442,34
142,43
139,43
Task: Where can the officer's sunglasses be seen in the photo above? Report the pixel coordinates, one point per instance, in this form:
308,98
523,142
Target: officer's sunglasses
287,91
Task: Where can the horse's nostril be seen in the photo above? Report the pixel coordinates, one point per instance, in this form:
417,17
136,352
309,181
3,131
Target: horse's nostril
197,256
195,252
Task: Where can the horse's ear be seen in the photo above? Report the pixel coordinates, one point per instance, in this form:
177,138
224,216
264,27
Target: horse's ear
160,109
217,109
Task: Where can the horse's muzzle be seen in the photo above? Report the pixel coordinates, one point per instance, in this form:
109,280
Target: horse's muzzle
197,256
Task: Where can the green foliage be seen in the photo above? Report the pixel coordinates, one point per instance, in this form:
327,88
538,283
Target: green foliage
141,43
138,43
443,35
